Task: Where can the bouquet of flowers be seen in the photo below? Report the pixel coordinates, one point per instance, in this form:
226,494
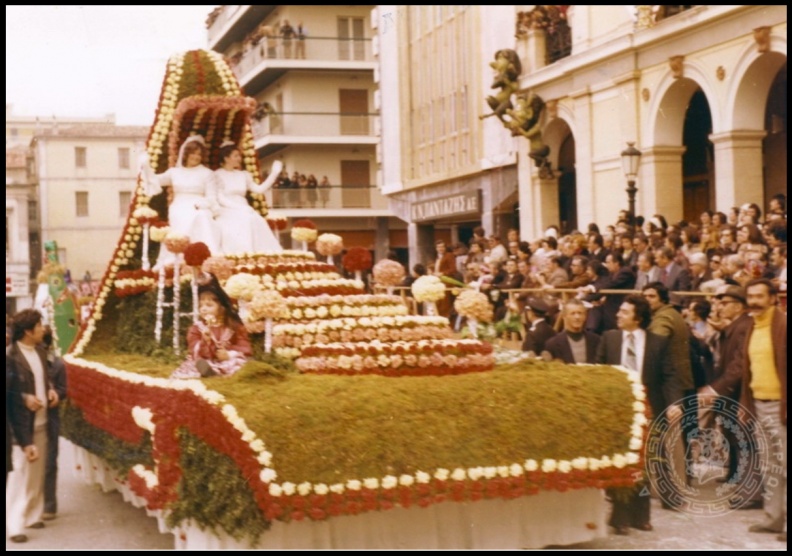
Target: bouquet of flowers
276,222
473,305
145,215
388,272
304,230
268,304
428,288
242,286
159,232
196,254
219,266
329,244
176,242
356,260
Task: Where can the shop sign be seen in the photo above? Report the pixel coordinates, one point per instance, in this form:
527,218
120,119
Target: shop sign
17,285
445,207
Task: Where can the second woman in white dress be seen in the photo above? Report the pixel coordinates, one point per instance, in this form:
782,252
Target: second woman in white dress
243,230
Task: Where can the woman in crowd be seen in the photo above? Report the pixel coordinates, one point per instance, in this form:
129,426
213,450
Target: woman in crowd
242,229
751,243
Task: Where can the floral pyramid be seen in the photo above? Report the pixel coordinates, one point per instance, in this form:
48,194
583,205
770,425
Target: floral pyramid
235,454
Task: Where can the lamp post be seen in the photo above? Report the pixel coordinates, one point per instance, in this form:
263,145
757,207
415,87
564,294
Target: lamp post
631,160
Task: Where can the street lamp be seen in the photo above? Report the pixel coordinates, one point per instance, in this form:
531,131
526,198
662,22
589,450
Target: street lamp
631,160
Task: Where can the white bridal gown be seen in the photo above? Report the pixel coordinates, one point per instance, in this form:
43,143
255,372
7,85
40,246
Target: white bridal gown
242,229
192,210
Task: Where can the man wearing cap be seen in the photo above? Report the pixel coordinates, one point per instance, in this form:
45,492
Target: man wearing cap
574,344
733,325
764,360
538,331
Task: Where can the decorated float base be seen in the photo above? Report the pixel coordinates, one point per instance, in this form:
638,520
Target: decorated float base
545,519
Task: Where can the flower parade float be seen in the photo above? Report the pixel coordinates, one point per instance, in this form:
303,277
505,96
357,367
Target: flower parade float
366,428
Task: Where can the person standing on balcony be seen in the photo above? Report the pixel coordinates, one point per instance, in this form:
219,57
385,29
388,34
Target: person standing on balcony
324,191
243,230
312,193
287,34
300,48
302,183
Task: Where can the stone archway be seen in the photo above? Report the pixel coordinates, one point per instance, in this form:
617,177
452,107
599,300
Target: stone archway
559,137
663,173
751,151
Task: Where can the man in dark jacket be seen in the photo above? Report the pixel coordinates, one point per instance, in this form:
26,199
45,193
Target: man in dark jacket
640,350
57,376
17,429
574,344
538,331
27,365
735,324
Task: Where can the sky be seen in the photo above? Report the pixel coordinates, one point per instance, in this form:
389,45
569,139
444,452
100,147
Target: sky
89,61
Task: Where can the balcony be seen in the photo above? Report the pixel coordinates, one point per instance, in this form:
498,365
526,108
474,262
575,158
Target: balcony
276,130
271,57
233,23
328,200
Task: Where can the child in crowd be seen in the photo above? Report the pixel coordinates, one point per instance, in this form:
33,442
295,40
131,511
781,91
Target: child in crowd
218,343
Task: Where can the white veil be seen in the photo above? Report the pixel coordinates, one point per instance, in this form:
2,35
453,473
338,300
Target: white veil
190,139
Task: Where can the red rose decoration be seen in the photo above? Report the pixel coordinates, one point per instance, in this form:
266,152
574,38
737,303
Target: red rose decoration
196,254
357,259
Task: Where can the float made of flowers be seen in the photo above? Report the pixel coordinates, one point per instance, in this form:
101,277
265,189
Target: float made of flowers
362,409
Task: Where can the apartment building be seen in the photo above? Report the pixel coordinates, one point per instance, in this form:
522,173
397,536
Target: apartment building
311,69
86,174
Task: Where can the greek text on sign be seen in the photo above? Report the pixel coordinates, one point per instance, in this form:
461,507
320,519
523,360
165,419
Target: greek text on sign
454,205
17,285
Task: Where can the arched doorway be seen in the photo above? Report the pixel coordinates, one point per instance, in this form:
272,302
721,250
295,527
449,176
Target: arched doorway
698,159
558,136
567,186
774,145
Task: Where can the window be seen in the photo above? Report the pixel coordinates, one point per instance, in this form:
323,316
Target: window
80,157
124,198
81,203
123,158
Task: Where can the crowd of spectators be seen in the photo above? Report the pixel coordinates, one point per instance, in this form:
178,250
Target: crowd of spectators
692,306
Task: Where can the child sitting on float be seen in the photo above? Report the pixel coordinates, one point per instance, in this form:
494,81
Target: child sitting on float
218,343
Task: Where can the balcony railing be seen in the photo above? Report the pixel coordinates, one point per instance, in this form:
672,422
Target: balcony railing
330,197
307,124
318,49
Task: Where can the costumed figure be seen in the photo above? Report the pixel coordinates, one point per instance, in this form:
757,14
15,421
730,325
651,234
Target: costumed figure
194,198
507,68
242,229
524,120
218,343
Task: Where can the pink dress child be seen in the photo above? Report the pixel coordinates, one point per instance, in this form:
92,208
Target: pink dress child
218,343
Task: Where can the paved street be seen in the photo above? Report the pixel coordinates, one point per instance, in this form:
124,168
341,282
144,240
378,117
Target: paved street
91,519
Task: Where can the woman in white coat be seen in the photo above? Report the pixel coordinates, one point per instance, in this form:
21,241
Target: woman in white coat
242,229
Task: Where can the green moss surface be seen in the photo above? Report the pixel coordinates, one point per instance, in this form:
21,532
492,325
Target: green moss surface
323,428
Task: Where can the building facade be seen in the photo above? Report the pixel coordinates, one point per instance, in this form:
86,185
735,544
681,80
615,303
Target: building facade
311,69
23,223
699,90
85,176
444,167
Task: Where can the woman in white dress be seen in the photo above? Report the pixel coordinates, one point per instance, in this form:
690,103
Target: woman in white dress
242,229
194,198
